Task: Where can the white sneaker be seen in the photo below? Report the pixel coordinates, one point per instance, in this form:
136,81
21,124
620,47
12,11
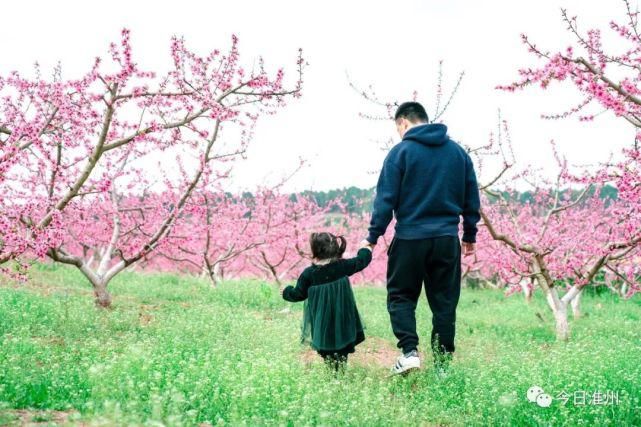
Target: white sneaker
406,362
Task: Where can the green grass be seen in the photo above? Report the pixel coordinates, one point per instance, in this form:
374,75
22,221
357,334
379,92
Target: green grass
175,351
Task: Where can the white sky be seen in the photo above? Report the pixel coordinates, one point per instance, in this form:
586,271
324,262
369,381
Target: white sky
393,45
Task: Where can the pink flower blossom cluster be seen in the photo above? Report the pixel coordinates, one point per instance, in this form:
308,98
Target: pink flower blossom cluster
74,153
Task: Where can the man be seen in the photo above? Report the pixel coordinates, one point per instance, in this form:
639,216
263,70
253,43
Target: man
427,182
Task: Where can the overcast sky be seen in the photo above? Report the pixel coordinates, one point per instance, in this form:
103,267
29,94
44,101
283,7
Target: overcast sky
396,46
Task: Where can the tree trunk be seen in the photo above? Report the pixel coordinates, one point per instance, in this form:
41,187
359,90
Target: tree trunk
217,275
560,312
559,306
213,276
277,279
103,298
213,280
99,279
575,303
624,289
274,274
561,323
527,289
210,271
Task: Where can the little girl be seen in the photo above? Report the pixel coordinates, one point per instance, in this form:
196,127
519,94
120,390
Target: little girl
330,316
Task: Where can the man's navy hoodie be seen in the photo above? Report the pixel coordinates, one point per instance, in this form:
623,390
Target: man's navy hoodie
427,183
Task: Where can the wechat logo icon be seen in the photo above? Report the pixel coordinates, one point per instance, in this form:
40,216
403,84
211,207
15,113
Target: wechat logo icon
535,394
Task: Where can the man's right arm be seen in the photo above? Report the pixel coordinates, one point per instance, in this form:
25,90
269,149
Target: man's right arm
387,192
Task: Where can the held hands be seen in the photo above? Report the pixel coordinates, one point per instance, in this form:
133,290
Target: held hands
366,244
469,249
281,289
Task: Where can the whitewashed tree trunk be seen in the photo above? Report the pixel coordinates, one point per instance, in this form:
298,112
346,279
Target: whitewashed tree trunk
210,272
575,303
624,289
103,297
527,288
560,312
561,323
559,306
98,278
214,275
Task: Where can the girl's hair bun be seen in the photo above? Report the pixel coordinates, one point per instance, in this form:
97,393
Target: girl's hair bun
327,245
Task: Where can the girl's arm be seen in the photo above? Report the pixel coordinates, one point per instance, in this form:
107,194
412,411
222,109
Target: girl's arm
298,293
359,262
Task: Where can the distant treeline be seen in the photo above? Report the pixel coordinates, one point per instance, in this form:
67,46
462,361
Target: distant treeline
356,200
359,200
608,192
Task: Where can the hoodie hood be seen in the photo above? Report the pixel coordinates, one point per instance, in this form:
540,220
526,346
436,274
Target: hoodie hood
428,134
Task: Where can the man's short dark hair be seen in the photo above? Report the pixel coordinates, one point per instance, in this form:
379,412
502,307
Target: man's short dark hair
412,111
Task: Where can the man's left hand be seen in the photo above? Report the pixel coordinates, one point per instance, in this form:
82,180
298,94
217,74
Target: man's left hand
469,248
366,244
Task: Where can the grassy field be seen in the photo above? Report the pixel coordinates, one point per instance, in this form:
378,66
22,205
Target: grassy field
174,351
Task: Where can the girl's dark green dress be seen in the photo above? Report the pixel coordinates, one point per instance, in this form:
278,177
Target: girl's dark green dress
331,322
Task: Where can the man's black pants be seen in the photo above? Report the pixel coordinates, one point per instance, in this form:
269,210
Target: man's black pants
436,263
